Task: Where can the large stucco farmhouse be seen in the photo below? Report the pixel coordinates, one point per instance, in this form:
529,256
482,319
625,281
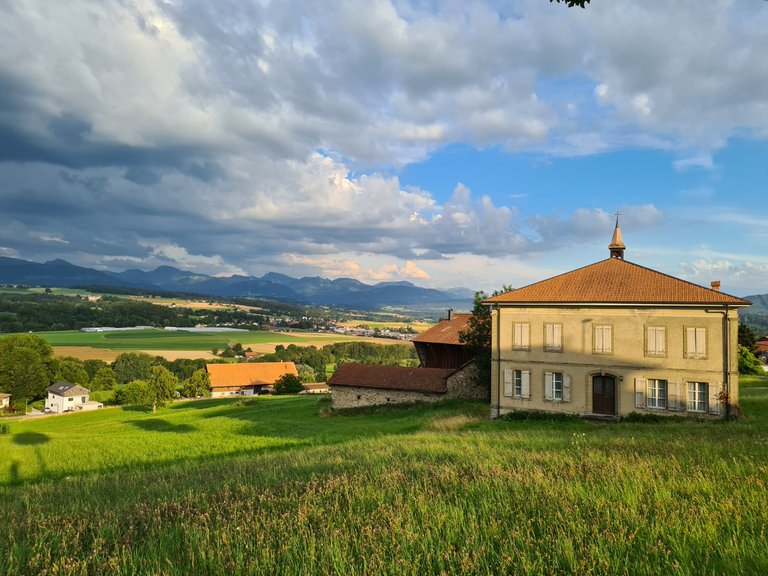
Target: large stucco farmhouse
612,338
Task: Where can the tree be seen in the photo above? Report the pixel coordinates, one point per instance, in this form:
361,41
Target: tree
134,393
199,384
288,384
93,366
747,337
748,362
104,379
70,370
132,366
306,373
162,385
26,366
477,336
572,3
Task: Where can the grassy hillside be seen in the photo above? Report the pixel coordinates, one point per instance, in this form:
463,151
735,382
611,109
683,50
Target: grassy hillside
279,487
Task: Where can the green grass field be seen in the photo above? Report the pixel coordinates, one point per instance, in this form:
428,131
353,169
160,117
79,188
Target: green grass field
281,487
163,339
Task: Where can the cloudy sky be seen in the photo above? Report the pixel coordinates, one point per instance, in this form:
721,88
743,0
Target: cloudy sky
452,143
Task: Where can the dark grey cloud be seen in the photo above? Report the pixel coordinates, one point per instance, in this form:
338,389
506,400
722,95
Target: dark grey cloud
143,132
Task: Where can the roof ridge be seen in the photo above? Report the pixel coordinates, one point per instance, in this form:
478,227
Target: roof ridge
609,281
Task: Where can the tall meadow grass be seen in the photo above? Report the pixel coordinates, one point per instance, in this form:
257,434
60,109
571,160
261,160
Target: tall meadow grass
277,488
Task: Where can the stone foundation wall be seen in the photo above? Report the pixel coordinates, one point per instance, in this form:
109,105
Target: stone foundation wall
353,397
461,384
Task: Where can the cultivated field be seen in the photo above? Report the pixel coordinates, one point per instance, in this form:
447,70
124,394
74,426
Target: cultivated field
176,344
416,325
280,487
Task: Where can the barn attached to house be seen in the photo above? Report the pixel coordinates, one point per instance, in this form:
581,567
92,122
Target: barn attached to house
441,346
246,379
358,385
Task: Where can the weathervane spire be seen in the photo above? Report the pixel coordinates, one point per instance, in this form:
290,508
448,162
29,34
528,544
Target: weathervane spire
617,247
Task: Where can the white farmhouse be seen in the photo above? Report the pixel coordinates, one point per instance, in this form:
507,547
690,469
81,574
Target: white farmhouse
67,397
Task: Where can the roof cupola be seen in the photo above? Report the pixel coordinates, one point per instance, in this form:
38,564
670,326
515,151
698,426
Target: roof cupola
617,242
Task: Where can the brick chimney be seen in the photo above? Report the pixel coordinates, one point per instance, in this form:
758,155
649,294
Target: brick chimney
715,285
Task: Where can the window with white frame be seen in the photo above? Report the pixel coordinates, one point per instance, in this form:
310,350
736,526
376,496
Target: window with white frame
697,396
553,337
553,385
521,336
695,342
522,384
603,340
655,341
657,393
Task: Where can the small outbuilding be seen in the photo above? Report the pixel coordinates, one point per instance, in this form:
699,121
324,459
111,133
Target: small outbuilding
358,385
5,401
68,397
246,379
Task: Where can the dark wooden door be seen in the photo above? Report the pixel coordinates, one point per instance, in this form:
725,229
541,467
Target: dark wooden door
604,395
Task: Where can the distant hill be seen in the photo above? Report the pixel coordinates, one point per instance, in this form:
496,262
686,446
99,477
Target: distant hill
756,316
343,292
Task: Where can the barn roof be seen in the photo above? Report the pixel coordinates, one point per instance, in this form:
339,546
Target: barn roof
446,331
391,377
248,373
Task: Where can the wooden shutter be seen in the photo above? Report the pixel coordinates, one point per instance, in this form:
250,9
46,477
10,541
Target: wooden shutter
674,402
566,388
640,392
525,386
607,339
548,385
714,398
557,336
509,386
701,342
661,340
526,335
598,339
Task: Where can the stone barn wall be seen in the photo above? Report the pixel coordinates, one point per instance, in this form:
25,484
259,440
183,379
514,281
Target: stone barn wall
356,397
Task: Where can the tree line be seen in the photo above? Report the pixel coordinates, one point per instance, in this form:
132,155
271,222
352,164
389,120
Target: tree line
28,366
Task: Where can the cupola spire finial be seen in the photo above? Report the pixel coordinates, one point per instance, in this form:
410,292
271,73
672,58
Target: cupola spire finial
617,246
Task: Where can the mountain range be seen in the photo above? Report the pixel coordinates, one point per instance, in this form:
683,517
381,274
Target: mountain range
345,292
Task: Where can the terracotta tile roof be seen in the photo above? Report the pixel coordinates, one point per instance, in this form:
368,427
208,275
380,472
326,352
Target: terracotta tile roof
4,395
391,377
248,374
445,332
616,281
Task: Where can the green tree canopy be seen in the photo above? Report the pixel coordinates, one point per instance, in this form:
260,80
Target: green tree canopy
132,366
572,3
70,370
134,393
748,362
26,366
306,373
93,366
288,384
104,379
198,384
162,385
477,336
